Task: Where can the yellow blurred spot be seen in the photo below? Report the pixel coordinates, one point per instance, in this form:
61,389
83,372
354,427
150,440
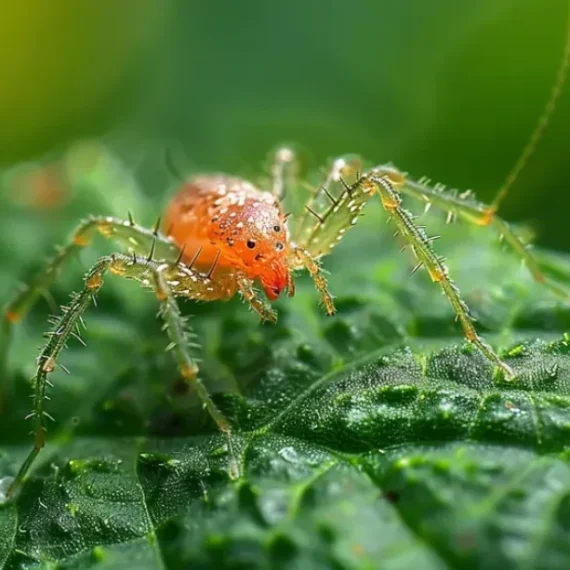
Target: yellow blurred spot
94,282
81,240
435,274
12,316
63,63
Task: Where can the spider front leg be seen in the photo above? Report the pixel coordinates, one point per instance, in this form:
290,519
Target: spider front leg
302,259
465,207
256,303
385,183
342,212
539,129
284,171
167,280
329,208
315,234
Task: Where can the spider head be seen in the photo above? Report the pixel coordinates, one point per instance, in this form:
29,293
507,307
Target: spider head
253,236
266,256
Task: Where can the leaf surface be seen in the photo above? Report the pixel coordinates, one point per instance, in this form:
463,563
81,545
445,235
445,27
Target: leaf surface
373,439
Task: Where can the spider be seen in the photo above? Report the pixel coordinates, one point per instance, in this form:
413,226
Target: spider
222,236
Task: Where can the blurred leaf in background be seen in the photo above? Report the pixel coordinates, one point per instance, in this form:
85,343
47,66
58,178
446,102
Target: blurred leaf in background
71,68
449,90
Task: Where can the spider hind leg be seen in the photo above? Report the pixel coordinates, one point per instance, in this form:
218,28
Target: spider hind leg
166,280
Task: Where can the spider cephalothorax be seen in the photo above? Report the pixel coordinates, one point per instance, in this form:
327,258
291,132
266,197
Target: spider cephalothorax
225,220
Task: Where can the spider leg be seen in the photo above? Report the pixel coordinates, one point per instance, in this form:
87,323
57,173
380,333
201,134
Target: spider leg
384,183
179,334
333,222
540,127
47,359
256,302
480,214
326,212
284,167
127,232
167,280
315,233
303,259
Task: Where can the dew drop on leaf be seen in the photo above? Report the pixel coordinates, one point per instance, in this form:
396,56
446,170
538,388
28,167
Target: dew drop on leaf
289,454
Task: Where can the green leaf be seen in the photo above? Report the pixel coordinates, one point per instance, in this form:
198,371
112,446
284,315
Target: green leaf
374,439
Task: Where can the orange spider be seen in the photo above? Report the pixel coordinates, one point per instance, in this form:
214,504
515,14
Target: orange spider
222,236
228,222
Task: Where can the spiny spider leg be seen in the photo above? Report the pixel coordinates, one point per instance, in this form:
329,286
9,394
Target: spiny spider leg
178,330
333,223
285,163
126,232
284,171
324,201
467,208
540,127
312,229
329,215
180,336
245,287
167,280
384,183
303,259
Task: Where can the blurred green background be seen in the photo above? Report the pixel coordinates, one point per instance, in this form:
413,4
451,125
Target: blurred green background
447,89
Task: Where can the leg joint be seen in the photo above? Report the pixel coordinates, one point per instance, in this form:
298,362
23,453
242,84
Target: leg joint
40,440
189,371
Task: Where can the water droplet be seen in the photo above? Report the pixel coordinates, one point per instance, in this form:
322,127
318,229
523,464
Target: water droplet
289,454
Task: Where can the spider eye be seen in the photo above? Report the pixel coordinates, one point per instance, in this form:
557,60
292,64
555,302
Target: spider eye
278,246
277,228
250,243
